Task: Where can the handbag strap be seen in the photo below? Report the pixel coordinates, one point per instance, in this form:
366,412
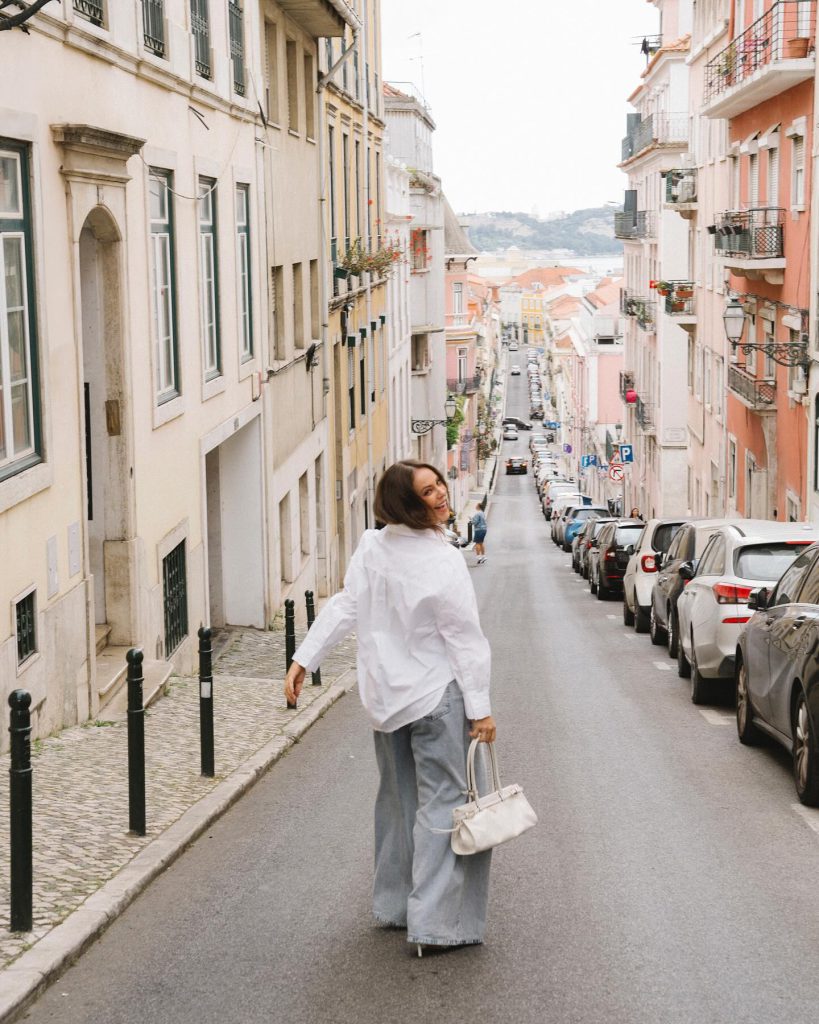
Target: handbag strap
471,781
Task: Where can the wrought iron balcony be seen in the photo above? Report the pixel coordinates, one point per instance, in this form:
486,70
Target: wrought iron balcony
679,302
644,413
626,382
681,189
759,395
774,54
91,9
655,130
153,26
634,224
465,385
751,234
642,310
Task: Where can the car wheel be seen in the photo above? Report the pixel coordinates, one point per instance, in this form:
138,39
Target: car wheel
683,665
585,572
805,767
567,546
673,633
700,688
628,614
641,619
602,592
592,584
656,631
748,733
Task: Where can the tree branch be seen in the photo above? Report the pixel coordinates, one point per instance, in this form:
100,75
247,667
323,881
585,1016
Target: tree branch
10,21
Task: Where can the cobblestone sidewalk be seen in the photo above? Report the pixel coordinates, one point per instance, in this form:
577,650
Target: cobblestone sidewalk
80,776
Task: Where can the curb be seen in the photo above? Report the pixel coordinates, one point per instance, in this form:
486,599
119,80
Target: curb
33,971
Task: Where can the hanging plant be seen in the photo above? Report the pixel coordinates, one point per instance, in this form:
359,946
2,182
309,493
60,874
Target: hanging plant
357,260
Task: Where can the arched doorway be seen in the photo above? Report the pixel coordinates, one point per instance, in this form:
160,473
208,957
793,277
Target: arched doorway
107,464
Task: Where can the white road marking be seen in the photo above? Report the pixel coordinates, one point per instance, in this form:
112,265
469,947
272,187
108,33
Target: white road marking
718,717
612,616
630,636
808,815
663,666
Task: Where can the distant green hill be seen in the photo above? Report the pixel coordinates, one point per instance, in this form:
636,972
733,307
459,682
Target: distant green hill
582,233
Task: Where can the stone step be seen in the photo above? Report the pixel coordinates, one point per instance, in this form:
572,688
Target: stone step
102,631
112,682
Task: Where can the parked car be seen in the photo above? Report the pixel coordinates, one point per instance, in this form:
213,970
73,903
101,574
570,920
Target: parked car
515,422
777,670
575,517
536,412
513,346
591,534
641,571
514,370
564,504
713,608
688,544
608,564
510,434
553,491
516,465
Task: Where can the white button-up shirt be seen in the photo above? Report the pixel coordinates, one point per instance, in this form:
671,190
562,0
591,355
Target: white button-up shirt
409,598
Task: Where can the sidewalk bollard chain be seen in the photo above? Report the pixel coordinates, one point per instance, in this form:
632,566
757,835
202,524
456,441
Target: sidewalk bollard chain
20,800
136,744
289,639
206,701
311,618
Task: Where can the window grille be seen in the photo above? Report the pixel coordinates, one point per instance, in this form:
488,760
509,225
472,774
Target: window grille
153,26
175,591
91,9
200,26
237,45
26,628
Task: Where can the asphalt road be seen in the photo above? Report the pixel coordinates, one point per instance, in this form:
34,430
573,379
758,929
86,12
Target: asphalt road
671,878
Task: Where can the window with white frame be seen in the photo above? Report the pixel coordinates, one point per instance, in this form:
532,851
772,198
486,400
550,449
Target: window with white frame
732,469
719,385
163,292
773,176
245,303
209,279
462,364
706,385
797,170
19,400
457,298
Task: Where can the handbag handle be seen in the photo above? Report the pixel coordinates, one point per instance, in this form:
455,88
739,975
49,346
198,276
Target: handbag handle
471,782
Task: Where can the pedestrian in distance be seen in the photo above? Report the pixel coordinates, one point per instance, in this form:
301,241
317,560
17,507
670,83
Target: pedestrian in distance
479,534
423,678
635,513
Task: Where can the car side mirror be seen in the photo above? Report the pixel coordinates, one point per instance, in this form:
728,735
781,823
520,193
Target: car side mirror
758,599
630,550
686,571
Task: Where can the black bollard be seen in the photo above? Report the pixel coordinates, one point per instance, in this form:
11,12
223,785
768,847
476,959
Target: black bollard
311,618
136,744
206,701
22,875
289,638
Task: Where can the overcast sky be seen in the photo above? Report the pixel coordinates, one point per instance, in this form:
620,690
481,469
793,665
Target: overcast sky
528,96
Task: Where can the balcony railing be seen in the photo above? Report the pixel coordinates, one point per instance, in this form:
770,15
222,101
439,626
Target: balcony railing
751,234
464,385
200,26
642,310
785,32
626,383
758,394
680,298
681,186
655,130
153,26
634,224
643,412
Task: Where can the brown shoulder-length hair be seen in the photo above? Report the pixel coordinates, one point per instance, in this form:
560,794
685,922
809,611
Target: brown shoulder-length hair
396,501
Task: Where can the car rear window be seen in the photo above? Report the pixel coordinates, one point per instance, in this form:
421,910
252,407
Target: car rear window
626,535
765,561
663,535
585,512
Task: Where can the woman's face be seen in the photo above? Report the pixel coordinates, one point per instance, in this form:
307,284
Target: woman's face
432,491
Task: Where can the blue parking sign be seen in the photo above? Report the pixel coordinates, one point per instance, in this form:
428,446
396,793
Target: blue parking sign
626,453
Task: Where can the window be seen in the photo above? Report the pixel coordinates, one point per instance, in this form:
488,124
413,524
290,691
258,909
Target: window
91,9
277,300
209,279
298,305
285,541
419,244
362,383
797,171
292,86
245,303
309,97
237,45
788,587
331,142
315,319
764,561
200,27
719,385
304,515
712,562
457,298
462,364
345,172
162,285
351,384
175,594
358,229
773,176
691,361
753,180
153,26
20,445
706,385
271,70
26,627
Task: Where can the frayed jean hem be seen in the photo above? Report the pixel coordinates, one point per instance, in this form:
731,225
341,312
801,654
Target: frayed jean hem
386,922
431,940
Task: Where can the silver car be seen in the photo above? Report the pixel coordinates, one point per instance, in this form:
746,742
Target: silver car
713,608
642,569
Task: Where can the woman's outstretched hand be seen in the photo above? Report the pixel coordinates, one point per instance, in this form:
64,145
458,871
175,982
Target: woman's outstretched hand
483,729
293,682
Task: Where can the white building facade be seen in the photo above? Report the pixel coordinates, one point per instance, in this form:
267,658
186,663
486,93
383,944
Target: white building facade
399,333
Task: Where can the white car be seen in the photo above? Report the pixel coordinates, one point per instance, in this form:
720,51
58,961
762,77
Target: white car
642,568
514,371
713,608
510,434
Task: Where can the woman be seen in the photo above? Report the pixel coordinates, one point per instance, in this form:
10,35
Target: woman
479,536
423,677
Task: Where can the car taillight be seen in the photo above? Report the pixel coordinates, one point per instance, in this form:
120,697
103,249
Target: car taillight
610,555
727,593
648,563
588,543
737,619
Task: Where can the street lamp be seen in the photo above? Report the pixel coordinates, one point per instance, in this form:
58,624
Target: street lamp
786,353
424,426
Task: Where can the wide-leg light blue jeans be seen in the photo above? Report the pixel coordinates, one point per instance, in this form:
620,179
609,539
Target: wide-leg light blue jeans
419,882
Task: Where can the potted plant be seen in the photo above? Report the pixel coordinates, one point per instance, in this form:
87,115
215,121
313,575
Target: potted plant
663,287
796,48
684,291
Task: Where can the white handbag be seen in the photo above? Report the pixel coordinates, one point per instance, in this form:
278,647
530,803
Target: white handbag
492,819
